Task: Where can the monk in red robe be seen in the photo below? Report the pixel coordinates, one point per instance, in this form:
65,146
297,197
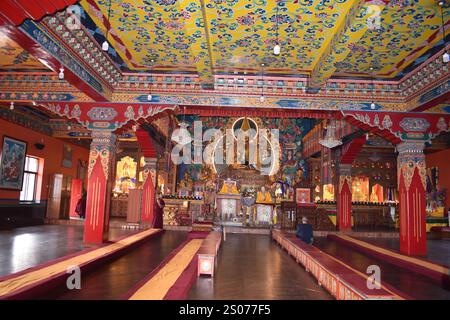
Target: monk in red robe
158,212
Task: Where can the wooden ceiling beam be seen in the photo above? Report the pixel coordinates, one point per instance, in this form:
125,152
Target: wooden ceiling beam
17,11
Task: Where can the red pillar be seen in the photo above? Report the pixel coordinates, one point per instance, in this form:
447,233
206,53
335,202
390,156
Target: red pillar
344,198
148,193
411,171
101,170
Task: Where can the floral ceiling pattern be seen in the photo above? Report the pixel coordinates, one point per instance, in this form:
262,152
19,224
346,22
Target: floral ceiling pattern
215,36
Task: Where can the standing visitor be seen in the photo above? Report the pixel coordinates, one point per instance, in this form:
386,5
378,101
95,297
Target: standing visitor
158,212
81,205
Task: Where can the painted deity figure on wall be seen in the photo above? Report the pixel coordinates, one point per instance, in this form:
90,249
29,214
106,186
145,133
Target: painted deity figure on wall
289,167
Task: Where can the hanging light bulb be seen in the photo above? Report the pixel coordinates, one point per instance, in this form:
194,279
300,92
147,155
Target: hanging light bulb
61,74
182,135
69,127
149,96
262,98
445,56
105,46
276,49
373,106
11,106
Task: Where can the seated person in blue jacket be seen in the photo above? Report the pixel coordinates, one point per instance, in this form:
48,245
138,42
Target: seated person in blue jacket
305,231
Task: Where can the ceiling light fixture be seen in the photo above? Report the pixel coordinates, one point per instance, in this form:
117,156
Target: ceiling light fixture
330,141
149,97
445,56
262,98
373,106
182,135
277,48
105,44
61,73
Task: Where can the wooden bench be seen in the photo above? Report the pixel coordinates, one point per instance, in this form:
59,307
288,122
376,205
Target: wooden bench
343,282
208,252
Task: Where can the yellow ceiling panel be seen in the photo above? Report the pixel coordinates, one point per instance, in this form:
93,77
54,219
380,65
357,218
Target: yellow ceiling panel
317,37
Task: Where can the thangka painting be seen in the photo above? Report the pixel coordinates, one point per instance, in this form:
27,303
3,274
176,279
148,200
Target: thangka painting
12,163
67,156
293,167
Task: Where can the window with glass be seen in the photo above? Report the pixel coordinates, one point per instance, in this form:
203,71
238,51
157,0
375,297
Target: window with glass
30,178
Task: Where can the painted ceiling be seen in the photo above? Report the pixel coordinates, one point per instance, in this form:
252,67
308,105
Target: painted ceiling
13,57
324,38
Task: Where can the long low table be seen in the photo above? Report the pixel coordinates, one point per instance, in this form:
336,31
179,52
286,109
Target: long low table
339,279
437,272
31,282
208,253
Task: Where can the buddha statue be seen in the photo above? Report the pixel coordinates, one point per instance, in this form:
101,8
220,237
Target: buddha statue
374,196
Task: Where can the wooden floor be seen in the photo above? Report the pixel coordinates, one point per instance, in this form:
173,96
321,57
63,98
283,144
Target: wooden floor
414,285
27,247
438,251
114,279
254,267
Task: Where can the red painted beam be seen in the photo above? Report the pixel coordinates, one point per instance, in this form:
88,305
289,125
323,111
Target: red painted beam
352,149
257,112
146,144
36,50
386,134
445,98
16,11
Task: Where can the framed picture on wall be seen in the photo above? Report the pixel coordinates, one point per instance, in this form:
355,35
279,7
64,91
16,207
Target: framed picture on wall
67,156
81,169
12,163
303,195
